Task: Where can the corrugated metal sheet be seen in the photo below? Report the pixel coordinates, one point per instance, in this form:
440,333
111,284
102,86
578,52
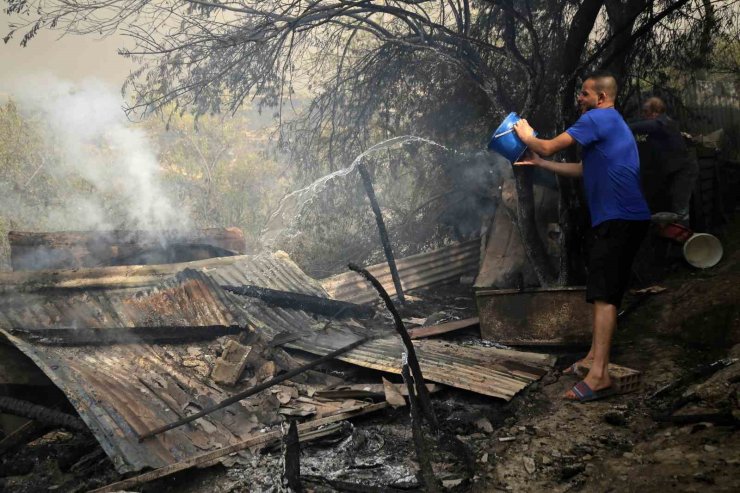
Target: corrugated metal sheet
188,299
483,370
416,271
124,389
121,390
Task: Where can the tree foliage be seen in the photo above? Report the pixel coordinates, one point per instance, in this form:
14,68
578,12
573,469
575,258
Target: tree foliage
222,171
361,56
448,69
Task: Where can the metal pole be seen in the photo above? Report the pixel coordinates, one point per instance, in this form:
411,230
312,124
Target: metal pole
258,388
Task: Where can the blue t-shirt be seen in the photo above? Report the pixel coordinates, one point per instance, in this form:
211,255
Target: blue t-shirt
611,167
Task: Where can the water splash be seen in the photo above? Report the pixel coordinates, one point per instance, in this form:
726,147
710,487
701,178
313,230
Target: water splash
292,204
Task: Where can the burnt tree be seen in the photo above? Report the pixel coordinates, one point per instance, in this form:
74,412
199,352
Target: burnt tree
450,69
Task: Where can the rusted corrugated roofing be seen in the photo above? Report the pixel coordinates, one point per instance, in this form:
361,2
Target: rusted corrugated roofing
483,370
124,389
120,390
190,298
417,271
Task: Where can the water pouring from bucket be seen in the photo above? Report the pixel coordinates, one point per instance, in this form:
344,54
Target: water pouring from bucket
506,142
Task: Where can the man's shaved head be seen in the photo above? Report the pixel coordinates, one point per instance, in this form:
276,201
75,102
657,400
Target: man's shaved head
599,90
606,83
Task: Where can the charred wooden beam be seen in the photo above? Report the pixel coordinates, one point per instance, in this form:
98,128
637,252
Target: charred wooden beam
426,473
382,231
292,465
413,361
72,336
75,249
228,238
44,415
254,390
305,302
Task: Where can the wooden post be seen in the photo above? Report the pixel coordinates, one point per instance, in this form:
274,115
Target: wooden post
291,458
368,184
426,473
421,390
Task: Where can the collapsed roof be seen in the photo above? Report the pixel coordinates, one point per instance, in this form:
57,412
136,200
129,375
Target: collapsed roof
133,347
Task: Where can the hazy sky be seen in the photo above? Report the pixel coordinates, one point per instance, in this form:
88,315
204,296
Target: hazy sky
70,58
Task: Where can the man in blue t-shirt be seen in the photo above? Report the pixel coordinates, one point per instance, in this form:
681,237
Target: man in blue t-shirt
620,216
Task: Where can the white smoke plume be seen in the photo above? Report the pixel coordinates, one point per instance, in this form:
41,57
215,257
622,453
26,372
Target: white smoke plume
86,125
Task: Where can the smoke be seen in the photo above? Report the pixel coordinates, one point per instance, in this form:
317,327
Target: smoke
83,124
429,195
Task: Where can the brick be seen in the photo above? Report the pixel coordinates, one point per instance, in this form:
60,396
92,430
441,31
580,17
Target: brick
231,364
624,380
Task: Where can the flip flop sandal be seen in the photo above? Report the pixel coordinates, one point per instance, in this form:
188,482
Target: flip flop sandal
584,393
572,369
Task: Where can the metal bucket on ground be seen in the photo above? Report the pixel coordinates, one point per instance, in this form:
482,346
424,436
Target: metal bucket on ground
505,141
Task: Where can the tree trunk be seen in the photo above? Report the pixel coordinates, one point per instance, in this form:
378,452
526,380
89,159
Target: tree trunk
570,213
570,207
533,245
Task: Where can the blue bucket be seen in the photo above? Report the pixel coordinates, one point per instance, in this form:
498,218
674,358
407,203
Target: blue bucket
505,141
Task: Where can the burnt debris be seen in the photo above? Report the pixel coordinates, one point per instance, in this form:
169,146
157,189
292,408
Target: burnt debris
305,302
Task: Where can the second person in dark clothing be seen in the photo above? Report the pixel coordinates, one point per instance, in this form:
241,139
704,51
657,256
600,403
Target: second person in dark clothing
676,168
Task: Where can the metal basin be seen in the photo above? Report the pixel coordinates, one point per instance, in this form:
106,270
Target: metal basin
540,316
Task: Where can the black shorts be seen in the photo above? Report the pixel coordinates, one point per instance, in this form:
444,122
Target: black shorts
614,245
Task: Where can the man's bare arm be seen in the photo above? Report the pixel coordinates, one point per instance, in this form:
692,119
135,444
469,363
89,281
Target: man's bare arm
543,147
571,170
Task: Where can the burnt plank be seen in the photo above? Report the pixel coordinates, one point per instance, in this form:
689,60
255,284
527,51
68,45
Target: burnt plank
73,336
300,301
433,330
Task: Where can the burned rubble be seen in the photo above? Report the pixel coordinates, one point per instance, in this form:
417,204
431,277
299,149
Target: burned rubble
135,349
160,376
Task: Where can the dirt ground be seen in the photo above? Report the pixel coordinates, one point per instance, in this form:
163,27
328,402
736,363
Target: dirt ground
678,432
617,444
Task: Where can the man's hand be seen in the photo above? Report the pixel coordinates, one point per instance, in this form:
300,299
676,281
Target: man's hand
523,130
529,158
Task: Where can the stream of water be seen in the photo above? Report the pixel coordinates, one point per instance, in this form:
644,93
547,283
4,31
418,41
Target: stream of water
292,204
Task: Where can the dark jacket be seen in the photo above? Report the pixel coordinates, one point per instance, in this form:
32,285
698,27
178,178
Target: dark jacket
665,142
